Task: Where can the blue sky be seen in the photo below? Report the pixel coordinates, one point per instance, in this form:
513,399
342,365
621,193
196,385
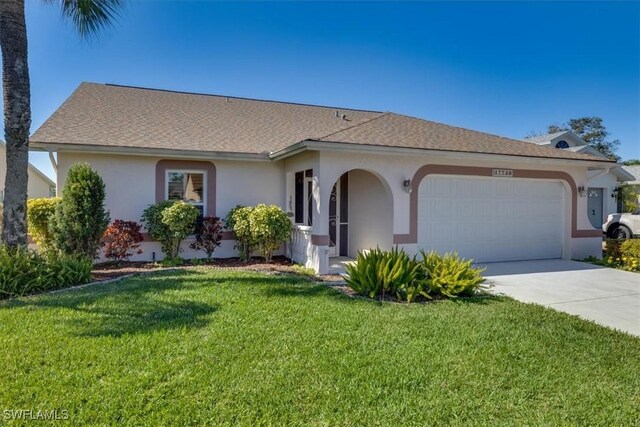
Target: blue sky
507,68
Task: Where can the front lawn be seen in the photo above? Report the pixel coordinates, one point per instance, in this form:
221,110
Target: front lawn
209,347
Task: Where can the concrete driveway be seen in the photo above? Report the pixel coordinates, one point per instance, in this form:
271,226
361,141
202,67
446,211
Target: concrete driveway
607,296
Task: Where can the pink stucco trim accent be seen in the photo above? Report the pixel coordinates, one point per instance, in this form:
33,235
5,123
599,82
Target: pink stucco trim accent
320,240
161,174
412,236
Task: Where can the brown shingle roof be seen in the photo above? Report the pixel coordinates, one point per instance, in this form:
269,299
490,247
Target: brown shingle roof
121,116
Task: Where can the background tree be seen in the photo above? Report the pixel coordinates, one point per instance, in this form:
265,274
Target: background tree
88,17
631,162
593,132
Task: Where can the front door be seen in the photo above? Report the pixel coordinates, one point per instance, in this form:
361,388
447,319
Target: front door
594,207
334,220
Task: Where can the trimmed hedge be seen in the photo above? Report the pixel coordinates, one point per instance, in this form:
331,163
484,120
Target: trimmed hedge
40,215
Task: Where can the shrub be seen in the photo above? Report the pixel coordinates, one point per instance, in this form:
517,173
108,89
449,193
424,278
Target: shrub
121,240
40,215
624,255
24,272
80,219
208,235
158,230
377,272
270,228
628,198
170,223
612,249
449,275
181,219
238,220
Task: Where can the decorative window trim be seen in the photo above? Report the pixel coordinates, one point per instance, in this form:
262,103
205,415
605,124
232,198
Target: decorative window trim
208,168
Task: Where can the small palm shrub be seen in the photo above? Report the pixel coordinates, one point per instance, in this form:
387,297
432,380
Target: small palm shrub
377,272
40,214
208,235
121,240
24,272
80,219
238,220
169,223
270,228
449,275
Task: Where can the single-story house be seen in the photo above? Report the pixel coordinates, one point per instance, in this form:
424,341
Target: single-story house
602,185
39,185
350,179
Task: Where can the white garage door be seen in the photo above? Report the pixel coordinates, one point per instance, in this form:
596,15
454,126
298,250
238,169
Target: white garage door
491,219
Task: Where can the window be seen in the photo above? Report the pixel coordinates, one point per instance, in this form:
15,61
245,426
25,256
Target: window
562,144
303,197
188,186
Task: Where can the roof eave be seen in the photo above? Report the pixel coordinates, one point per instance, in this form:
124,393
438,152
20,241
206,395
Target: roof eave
345,146
142,151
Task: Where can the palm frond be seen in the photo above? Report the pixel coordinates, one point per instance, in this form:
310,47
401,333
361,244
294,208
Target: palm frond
90,16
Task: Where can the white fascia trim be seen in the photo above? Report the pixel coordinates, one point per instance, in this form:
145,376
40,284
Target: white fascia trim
599,172
154,152
359,148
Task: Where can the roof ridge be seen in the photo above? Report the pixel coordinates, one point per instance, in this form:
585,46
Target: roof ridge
356,125
232,97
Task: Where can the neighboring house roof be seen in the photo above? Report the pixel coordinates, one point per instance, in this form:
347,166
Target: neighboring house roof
32,168
634,171
543,139
98,115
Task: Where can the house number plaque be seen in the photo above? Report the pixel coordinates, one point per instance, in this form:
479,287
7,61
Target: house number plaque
502,172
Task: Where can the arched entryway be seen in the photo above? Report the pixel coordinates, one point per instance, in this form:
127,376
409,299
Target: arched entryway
360,214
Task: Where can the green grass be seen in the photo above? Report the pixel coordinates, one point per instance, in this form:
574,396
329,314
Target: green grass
217,347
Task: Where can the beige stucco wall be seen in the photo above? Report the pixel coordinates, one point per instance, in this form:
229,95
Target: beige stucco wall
130,183
36,187
608,183
393,169
370,213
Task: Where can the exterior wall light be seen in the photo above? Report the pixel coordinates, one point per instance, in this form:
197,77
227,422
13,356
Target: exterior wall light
582,191
406,184
615,192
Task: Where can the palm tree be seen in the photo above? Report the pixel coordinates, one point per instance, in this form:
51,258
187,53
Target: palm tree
88,17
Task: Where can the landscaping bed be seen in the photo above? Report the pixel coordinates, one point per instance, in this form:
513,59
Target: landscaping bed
111,270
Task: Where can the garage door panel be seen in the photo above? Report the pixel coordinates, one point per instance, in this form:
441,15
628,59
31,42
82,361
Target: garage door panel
491,219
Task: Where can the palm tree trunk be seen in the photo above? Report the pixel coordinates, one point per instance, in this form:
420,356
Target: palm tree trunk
17,119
